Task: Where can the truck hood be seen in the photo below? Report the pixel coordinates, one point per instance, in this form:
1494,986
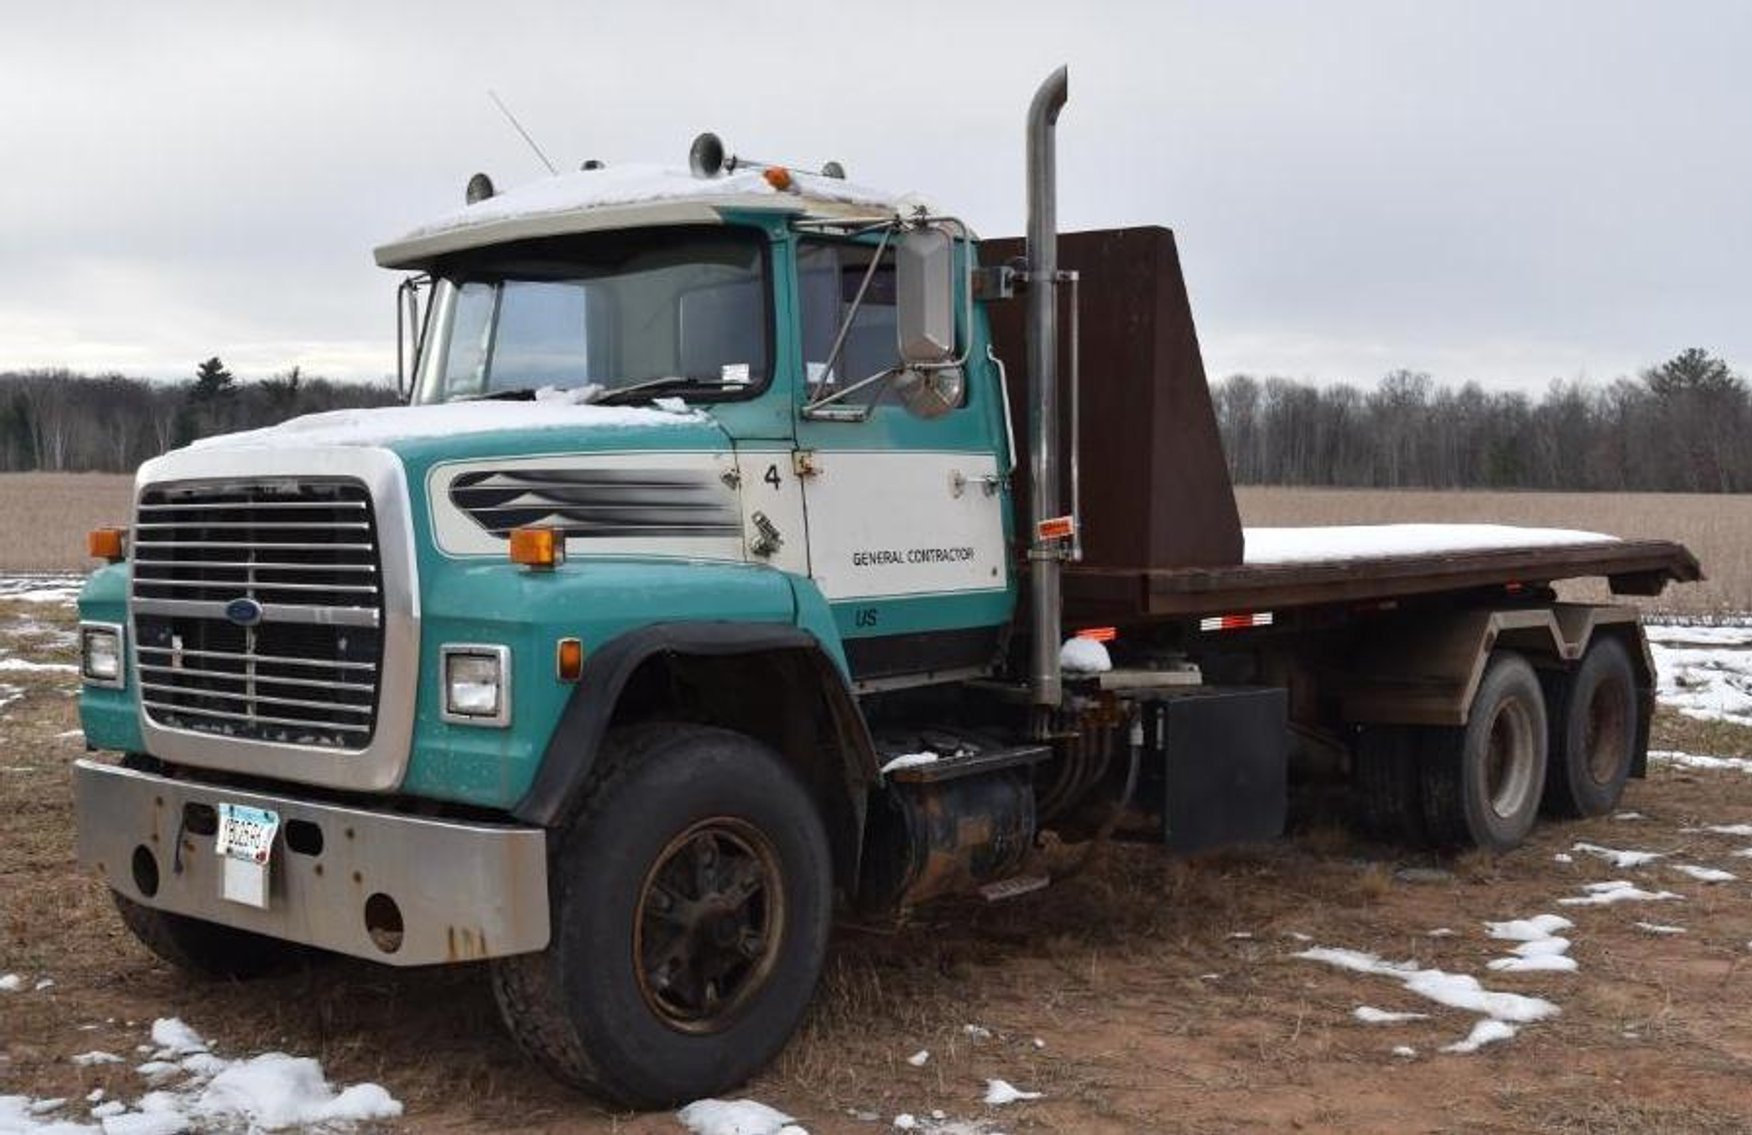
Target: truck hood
554,424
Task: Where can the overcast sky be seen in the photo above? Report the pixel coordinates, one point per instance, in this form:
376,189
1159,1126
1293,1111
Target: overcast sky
1499,191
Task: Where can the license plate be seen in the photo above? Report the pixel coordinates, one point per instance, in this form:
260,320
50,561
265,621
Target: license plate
245,845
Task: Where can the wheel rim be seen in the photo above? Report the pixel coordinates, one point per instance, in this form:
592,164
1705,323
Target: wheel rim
708,927
1606,731
1509,760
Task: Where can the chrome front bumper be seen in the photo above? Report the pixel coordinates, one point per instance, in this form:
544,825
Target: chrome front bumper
461,891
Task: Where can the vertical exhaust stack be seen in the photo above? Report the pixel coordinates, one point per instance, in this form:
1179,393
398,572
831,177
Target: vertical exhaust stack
1043,404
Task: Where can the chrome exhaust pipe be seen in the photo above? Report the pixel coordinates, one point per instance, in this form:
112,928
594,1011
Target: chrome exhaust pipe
1045,681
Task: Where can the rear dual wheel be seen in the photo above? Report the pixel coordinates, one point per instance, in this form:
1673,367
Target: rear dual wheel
1482,784
1595,725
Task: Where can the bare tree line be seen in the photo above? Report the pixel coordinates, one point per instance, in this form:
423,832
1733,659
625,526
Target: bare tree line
60,421
1683,426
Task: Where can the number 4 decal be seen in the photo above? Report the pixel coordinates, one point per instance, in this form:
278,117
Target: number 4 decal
772,476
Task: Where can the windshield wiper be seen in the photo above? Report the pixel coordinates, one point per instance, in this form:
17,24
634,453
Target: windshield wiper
670,382
509,394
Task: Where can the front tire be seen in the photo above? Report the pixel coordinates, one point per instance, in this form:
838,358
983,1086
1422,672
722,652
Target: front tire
207,949
1482,784
691,901
1594,734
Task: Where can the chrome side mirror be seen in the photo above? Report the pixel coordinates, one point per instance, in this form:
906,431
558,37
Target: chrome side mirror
924,273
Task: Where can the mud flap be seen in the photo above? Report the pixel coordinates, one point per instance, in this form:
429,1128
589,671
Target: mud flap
1218,758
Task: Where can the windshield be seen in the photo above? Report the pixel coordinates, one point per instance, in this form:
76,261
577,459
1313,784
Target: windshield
609,310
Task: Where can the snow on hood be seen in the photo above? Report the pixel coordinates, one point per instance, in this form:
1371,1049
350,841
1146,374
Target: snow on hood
638,183
449,419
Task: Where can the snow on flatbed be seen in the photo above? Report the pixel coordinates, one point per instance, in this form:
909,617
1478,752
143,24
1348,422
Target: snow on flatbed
1266,546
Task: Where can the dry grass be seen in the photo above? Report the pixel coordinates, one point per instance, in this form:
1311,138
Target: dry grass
46,515
1717,529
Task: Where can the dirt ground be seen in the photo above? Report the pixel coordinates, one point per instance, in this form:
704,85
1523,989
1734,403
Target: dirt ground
1146,995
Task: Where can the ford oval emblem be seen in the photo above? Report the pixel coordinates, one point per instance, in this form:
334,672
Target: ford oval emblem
244,611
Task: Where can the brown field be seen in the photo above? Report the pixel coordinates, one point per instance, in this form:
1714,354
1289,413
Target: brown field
1147,995
62,507
45,516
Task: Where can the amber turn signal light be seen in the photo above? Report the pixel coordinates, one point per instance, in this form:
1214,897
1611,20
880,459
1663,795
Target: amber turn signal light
538,548
569,659
107,544
778,177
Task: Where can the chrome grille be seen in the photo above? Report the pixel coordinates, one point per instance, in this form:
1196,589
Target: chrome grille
258,609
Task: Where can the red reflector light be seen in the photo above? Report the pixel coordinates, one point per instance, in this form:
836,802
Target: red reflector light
1235,622
1099,634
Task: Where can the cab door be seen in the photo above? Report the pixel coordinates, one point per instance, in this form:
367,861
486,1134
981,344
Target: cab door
905,514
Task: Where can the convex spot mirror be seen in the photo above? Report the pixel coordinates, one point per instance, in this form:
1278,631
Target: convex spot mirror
930,393
924,270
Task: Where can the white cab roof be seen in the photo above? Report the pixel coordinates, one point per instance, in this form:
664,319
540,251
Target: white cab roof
631,196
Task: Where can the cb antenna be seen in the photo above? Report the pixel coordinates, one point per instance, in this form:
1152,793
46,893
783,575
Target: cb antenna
518,126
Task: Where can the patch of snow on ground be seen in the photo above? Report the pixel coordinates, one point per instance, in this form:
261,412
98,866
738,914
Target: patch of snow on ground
192,1089
1619,859
1485,1032
1537,928
735,1117
59,587
1628,816
1657,928
1698,761
1685,635
919,1058
1538,955
11,983
39,667
1000,1092
1404,1051
1455,990
1725,829
1705,874
1370,1015
1710,682
1616,891
96,1056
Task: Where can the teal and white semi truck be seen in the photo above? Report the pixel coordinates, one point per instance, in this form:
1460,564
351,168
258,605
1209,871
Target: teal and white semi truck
717,580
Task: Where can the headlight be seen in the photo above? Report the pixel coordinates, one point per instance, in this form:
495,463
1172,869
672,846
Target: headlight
100,654
477,684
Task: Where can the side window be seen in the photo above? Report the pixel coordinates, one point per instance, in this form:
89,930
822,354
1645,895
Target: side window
828,276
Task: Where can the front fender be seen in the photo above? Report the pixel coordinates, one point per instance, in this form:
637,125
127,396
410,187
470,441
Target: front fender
570,758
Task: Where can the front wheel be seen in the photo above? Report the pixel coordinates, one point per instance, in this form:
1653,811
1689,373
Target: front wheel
691,903
1482,783
207,949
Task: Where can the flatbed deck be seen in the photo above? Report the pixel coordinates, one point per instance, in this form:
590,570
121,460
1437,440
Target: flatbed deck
1106,594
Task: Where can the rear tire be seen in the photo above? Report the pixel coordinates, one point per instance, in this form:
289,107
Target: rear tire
1593,735
1385,774
691,900
1482,784
207,949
